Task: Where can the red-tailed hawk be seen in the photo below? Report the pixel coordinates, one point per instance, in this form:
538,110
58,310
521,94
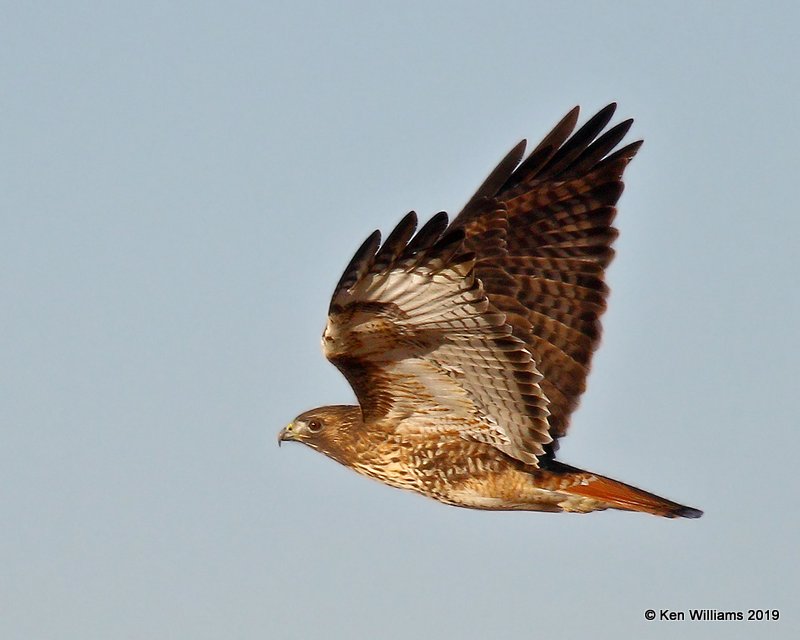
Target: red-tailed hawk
468,344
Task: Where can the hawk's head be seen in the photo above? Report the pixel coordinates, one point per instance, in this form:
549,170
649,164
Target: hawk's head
326,429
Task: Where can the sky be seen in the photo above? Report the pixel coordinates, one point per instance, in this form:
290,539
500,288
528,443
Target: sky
182,184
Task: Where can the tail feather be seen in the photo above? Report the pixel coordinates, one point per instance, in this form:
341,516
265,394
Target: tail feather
618,495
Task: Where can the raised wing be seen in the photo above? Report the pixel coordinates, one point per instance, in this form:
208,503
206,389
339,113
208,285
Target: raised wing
542,231
425,351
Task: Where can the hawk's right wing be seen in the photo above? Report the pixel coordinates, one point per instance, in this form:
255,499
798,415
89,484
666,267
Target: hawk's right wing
542,232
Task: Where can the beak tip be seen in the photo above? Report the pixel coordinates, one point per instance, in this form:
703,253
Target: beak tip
282,435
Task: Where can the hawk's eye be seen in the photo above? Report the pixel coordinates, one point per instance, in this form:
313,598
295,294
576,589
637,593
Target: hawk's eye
314,426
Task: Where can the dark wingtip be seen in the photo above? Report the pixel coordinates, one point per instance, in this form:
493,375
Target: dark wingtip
574,113
688,512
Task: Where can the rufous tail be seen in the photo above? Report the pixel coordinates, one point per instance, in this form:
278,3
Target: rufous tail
617,495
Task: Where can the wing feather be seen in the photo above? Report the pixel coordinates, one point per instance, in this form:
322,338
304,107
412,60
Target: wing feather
542,242
359,263
427,236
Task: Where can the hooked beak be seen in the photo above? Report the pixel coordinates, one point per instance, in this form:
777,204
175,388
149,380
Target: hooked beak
285,434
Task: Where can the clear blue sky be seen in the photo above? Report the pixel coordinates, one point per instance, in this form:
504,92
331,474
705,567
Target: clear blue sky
182,185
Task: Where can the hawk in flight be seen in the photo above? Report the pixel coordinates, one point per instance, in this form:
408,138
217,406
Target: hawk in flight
468,343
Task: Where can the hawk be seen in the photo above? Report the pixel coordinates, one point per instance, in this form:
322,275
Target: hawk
468,343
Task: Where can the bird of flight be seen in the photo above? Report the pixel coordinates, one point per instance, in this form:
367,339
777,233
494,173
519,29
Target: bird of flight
468,343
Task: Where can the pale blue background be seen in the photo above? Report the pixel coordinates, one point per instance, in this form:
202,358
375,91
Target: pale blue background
182,184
